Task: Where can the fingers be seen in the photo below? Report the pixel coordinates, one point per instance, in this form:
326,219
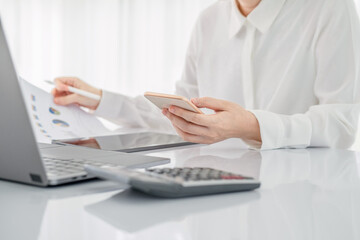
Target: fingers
62,95
191,132
62,83
56,93
184,125
189,137
69,99
61,86
70,81
211,103
199,119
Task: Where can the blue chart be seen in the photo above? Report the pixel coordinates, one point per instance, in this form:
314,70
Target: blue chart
60,123
54,111
36,117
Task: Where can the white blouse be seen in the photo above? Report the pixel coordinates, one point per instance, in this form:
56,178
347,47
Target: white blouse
293,63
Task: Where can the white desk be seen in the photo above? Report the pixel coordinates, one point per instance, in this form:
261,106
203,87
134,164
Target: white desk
305,194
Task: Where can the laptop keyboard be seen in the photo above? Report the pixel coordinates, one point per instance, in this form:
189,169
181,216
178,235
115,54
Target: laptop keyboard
63,167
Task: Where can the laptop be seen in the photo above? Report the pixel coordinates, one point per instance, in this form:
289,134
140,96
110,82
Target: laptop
23,160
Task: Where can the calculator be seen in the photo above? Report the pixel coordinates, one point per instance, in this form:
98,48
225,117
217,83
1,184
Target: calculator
177,182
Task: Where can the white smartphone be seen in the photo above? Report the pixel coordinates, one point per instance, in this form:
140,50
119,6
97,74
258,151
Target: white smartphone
166,100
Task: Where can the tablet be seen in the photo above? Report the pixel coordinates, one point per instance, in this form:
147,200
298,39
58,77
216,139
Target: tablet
133,142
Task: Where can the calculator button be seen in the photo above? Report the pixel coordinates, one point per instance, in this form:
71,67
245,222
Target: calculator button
195,174
235,177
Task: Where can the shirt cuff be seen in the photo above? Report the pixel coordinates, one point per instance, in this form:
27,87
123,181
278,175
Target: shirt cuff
106,108
282,131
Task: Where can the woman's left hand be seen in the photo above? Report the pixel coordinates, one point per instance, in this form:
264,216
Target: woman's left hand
230,120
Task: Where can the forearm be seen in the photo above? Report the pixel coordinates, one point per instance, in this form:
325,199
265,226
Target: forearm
248,130
333,125
131,112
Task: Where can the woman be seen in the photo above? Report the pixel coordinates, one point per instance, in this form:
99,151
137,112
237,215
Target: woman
280,73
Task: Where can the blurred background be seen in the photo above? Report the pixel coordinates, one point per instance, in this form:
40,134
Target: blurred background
127,46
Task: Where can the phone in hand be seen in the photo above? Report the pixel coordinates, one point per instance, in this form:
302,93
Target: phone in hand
166,100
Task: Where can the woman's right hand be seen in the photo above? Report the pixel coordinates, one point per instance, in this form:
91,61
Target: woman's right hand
62,96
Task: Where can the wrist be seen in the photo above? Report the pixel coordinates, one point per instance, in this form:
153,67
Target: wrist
252,129
94,104
100,93
96,91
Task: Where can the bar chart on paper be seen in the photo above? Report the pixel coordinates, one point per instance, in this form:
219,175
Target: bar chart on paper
51,121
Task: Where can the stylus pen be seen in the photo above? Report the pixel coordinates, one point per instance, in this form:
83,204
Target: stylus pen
79,91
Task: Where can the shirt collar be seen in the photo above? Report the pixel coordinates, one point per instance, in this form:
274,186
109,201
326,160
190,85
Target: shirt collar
262,17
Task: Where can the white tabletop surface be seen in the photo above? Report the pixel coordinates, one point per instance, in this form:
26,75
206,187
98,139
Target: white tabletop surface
305,194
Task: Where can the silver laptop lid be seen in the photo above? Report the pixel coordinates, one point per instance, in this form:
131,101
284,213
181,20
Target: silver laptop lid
19,155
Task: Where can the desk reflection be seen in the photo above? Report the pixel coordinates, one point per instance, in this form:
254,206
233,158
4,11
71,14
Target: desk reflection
133,211
306,194
29,212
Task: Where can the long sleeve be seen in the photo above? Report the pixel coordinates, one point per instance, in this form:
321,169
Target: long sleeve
333,121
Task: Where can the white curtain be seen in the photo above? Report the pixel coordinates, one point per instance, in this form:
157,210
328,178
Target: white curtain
128,46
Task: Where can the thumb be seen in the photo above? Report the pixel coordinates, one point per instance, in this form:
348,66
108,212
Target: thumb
211,103
68,99
59,85
62,83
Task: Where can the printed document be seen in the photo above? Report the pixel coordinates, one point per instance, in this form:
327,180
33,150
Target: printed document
51,121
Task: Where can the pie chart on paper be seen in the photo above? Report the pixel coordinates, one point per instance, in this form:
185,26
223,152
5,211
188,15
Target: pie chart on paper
54,111
60,123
